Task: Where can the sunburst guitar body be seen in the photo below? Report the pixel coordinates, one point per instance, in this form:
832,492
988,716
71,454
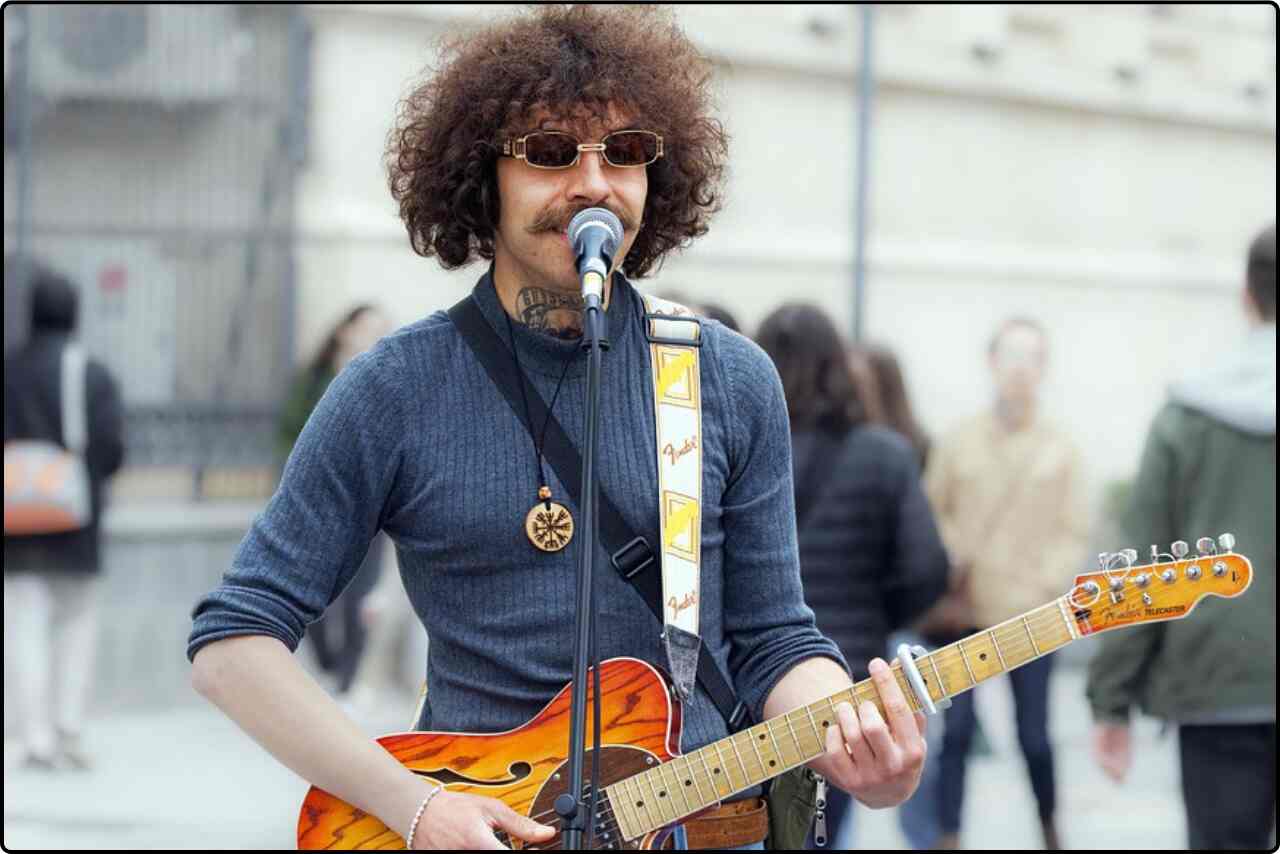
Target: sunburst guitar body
527,767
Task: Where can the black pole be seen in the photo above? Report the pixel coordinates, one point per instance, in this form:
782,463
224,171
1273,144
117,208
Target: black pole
865,88
568,804
18,119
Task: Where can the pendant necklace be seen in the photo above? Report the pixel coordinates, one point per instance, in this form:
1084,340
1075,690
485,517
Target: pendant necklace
548,525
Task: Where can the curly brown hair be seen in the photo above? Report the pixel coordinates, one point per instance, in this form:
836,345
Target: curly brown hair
442,152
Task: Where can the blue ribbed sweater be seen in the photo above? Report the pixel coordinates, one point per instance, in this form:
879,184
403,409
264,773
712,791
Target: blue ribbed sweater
412,437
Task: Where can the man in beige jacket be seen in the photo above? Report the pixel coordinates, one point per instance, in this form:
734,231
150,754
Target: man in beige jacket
1007,491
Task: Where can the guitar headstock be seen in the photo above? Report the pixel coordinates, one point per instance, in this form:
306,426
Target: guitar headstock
1121,593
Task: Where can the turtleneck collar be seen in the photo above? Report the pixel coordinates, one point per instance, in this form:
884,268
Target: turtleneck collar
544,354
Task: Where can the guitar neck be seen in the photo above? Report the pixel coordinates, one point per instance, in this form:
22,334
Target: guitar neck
700,779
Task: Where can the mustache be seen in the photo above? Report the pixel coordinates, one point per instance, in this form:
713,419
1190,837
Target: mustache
557,219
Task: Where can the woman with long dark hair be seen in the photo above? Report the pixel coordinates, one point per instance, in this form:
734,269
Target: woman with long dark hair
870,555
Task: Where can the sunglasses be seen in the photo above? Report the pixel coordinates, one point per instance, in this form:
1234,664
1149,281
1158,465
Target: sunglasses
553,149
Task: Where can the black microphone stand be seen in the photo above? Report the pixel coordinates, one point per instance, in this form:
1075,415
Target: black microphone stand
569,804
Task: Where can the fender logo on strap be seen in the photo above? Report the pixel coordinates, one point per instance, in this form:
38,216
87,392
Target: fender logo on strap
690,599
674,454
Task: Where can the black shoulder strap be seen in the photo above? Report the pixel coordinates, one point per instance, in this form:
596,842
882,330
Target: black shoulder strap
630,553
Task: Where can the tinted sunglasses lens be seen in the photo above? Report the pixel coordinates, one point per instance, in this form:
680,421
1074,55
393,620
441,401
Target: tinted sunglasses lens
631,148
550,150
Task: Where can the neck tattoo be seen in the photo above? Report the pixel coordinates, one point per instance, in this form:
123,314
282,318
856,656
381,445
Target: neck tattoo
553,313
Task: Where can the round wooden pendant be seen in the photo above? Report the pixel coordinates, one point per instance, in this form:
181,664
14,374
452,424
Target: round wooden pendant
549,530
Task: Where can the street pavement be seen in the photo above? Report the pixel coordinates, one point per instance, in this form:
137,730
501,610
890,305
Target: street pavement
188,778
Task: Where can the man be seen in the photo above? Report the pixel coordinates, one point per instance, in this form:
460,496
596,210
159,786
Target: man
413,438
1209,467
1007,491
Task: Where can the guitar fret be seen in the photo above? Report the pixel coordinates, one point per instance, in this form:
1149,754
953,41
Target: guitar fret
728,773
996,644
746,775
648,778
621,806
1031,636
688,762
1066,618
942,686
702,754
777,748
816,731
646,819
794,737
675,783
764,769
964,659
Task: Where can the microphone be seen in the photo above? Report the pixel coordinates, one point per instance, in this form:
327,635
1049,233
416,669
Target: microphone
594,235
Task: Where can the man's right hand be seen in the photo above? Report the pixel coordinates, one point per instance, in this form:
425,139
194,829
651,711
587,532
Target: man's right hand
1112,748
454,821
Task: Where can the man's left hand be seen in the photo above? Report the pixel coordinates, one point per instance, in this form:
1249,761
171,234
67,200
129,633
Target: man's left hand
878,762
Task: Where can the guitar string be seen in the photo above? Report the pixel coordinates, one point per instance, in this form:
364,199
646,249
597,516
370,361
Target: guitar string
1010,631
1013,630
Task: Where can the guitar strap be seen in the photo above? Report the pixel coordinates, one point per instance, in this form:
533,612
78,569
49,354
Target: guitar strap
674,336
630,553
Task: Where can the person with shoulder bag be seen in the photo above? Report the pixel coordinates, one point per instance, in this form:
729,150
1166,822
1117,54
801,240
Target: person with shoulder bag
63,437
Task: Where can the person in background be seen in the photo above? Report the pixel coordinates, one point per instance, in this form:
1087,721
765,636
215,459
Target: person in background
883,388
716,311
893,406
51,580
711,310
1008,491
1209,467
871,559
339,636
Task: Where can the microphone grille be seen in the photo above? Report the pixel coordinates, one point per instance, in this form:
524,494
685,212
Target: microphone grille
603,216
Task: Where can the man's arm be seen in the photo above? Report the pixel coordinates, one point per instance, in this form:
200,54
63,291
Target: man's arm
877,760
257,683
1118,671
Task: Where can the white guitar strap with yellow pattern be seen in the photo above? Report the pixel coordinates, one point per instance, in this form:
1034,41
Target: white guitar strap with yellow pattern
674,336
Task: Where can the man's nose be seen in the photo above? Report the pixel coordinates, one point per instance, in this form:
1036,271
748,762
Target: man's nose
590,181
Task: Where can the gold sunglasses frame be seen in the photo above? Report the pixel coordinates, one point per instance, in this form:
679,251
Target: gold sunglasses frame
516,148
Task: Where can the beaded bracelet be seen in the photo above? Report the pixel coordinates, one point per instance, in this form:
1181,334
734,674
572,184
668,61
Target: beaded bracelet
413,828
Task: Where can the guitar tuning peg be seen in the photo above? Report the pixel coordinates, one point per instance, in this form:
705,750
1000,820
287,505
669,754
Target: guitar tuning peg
1205,546
1104,560
1130,556
1179,549
1155,553
1227,542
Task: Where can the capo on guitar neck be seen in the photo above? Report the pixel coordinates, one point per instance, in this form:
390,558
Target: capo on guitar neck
907,655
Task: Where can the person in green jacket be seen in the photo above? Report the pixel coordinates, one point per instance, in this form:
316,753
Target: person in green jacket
1209,467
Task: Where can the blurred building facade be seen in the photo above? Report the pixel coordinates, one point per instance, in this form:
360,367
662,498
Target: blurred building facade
213,178
1101,168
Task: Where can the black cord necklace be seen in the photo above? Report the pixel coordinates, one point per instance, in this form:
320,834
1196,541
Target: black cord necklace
549,525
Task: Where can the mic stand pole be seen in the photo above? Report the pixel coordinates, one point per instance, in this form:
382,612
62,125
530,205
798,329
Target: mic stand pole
568,804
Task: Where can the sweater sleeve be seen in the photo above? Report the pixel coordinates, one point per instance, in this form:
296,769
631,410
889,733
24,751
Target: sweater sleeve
918,573
309,541
769,626
1119,668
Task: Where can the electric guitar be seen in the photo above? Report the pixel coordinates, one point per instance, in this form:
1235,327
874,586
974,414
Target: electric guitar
648,787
